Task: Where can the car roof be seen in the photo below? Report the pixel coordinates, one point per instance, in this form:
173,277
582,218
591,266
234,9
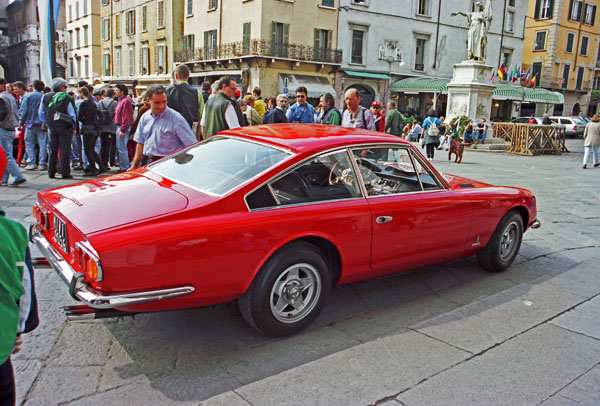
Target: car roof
311,137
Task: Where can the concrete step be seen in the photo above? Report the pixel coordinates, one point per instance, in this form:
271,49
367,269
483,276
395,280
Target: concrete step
494,145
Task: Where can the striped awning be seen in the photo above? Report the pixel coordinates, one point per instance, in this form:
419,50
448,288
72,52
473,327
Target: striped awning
541,95
508,92
368,75
420,85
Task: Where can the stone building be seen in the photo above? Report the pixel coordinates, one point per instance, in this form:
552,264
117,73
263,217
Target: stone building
418,41
83,40
23,52
277,45
561,45
139,39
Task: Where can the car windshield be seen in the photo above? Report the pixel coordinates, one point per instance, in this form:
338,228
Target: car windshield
579,121
219,164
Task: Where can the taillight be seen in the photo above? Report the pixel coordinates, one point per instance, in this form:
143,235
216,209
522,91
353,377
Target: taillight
89,261
41,217
574,128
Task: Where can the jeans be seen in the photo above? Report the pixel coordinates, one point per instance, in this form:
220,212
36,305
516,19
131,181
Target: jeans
6,142
90,136
586,154
108,149
77,149
430,150
412,137
122,149
60,139
479,135
31,134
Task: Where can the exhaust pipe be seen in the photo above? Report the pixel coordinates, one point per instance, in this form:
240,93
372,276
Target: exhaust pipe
83,312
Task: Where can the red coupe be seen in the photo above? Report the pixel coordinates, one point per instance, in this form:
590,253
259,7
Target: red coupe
271,216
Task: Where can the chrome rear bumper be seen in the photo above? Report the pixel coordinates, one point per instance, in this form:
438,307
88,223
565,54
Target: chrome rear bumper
536,224
81,291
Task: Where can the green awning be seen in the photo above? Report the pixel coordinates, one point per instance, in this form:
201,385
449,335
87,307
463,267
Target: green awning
508,92
420,85
367,75
540,95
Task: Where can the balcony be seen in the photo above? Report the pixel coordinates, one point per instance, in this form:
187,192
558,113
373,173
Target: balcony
260,48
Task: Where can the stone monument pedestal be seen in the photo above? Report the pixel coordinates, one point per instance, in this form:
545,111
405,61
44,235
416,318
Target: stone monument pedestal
470,91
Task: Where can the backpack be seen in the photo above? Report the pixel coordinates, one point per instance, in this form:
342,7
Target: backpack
531,121
106,119
99,118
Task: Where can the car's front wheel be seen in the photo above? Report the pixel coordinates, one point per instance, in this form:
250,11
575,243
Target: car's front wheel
288,292
502,249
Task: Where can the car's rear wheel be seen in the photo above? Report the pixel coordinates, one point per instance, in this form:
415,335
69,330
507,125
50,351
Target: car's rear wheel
502,249
289,291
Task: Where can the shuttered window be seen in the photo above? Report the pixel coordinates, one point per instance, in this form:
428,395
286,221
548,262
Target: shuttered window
543,9
575,10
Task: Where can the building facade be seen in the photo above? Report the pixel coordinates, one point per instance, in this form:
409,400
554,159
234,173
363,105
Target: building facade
561,45
139,39
23,52
384,42
83,40
275,44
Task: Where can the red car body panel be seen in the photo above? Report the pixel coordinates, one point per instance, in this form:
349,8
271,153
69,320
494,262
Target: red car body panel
152,233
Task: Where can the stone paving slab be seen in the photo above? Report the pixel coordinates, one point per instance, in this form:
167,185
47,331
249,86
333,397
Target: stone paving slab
226,399
584,391
522,371
490,321
130,395
583,319
54,385
358,375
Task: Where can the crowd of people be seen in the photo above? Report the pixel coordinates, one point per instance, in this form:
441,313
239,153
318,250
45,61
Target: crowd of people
95,130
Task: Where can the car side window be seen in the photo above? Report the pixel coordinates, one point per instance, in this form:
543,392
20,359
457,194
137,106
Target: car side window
565,121
387,170
428,180
324,178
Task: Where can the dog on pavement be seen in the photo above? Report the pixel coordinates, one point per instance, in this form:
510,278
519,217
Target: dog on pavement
457,147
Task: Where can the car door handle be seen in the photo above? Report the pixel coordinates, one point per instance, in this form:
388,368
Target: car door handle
383,219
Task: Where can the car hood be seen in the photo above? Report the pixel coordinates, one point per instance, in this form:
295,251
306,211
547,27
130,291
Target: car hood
116,200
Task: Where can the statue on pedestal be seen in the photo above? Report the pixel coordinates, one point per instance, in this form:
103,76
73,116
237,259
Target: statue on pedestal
479,22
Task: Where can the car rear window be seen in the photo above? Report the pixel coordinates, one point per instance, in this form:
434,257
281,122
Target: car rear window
219,164
579,121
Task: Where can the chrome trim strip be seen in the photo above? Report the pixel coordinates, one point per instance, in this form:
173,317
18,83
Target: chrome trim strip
89,295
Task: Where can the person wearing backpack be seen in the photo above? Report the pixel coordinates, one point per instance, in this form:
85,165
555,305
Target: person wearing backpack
57,110
186,99
431,134
91,122
108,141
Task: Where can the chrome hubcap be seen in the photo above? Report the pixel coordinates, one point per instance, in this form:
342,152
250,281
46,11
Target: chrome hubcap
295,293
508,241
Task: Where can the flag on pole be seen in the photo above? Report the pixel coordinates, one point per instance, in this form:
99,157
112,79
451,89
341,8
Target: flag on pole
527,75
510,76
516,74
502,72
493,77
533,81
46,50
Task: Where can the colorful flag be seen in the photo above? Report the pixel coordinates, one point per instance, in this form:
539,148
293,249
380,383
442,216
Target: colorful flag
46,50
526,79
533,81
516,74
510,76
501,72
493,77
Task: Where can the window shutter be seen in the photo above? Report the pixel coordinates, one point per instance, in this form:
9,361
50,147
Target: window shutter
580,11
593,14
286,33
317,39
537,9
551,8
273,32
330,39
133,22
206,44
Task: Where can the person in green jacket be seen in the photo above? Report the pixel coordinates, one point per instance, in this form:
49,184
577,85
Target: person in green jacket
12,263
393,120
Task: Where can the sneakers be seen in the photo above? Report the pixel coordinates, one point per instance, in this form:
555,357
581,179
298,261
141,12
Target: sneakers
43,167
31,167
19,182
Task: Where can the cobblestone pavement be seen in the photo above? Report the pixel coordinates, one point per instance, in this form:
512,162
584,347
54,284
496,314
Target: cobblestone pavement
449,334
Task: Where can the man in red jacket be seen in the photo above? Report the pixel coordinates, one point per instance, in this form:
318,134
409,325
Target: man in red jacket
123,120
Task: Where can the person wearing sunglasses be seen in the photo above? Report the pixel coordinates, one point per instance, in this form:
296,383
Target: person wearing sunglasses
301,111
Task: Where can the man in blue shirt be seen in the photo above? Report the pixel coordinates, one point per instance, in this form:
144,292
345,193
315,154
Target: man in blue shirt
33,126
161,131
301,111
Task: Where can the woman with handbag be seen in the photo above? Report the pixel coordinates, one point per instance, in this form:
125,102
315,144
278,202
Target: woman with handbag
431,134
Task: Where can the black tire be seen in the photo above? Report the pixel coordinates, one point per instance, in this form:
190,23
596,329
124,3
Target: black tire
289,291
502,249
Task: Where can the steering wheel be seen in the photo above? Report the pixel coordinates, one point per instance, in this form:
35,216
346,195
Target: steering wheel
336,175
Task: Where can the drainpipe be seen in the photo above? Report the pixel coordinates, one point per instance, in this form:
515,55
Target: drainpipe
502,33
220,22
437,33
